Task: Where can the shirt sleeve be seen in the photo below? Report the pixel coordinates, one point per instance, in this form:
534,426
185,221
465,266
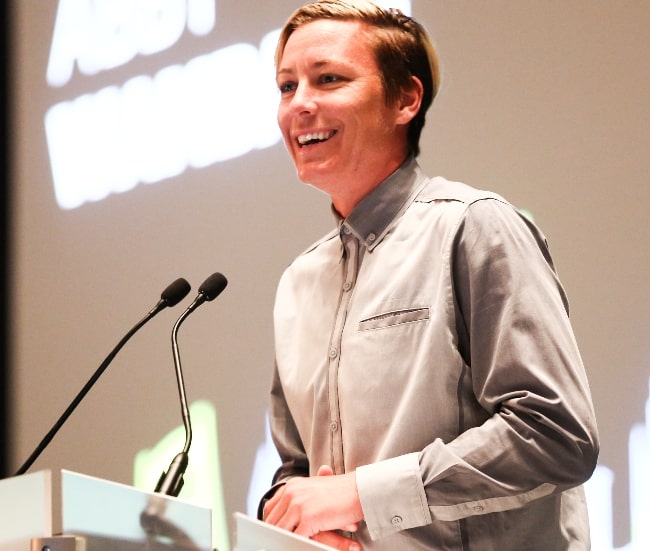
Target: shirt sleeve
539,435
285,436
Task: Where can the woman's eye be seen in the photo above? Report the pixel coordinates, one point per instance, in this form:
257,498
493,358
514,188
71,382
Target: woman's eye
327,79
286,87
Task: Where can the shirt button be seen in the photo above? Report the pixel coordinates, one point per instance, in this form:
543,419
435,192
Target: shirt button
334,426
371,237
396,520
346,230
333,352
347,286
478,508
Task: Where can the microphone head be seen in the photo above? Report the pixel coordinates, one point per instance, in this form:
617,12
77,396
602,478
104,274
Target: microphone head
175,292
211,288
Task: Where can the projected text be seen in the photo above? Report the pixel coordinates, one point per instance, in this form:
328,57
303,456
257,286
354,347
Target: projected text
213,108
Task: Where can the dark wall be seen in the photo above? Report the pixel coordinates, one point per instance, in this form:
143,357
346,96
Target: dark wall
4,241
5,216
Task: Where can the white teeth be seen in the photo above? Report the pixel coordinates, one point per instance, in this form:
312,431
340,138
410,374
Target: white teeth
314,137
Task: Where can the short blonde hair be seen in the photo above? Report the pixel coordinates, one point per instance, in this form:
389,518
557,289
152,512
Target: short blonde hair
402,48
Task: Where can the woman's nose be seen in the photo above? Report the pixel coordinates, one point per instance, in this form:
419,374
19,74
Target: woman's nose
304,100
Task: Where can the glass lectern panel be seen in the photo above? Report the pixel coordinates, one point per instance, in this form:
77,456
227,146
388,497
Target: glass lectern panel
102,515
25,509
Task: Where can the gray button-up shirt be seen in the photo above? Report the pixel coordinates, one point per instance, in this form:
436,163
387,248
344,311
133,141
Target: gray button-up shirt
426,344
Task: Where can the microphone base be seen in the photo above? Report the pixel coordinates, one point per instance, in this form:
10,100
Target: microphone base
171,482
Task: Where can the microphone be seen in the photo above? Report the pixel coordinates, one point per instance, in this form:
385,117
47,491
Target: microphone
171,482
172,295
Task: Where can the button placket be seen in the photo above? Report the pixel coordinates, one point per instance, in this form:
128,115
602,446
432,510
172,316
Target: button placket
350,267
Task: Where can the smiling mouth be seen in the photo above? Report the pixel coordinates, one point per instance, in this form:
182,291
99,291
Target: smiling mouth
314,138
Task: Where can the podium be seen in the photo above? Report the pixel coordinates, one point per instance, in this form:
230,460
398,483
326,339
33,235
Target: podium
66,511
254,535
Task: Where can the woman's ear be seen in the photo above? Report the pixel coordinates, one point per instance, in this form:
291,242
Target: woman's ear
410,101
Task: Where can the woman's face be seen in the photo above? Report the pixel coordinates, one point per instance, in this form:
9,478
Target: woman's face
342,135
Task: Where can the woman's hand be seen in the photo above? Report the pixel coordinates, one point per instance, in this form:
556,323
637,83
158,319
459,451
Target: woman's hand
317,506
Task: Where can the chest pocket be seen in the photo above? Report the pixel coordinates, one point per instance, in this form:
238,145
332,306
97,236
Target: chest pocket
393,318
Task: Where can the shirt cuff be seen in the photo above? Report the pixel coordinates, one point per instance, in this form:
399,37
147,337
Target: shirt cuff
268,495
392,495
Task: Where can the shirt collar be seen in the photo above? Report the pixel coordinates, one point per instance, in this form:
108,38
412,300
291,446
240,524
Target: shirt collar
372,217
